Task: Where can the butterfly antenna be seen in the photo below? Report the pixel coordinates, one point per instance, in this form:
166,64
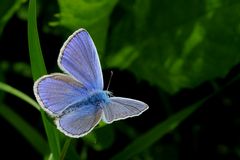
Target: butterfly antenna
109,80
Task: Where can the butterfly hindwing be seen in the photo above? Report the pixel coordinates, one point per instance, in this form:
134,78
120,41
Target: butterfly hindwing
56,91
121,108
80,121
79,58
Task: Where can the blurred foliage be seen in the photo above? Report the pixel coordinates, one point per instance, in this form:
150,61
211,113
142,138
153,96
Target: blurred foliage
176,45
7,9
171,45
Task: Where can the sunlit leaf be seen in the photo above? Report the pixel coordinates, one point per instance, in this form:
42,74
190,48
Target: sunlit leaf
92,15
177,45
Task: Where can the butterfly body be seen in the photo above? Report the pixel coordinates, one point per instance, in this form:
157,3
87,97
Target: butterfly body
76,99
99,98
96,98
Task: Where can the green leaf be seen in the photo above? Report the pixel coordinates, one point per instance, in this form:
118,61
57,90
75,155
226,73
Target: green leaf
146,140
27,131
38,69
92,15
176,45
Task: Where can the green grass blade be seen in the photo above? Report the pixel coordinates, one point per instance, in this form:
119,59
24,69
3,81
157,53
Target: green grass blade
147,139
38,69
27,131
19,94
35,52
65,148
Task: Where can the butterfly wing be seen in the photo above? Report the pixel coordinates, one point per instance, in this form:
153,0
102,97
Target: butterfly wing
56,91
122,108
79,58
80,121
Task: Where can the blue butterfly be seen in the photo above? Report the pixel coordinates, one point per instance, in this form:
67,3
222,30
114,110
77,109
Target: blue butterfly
76,100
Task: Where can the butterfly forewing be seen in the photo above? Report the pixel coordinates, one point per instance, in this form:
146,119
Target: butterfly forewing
122,108
55,92
79,58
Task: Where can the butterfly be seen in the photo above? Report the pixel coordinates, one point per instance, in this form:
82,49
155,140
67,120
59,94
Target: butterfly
76,99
